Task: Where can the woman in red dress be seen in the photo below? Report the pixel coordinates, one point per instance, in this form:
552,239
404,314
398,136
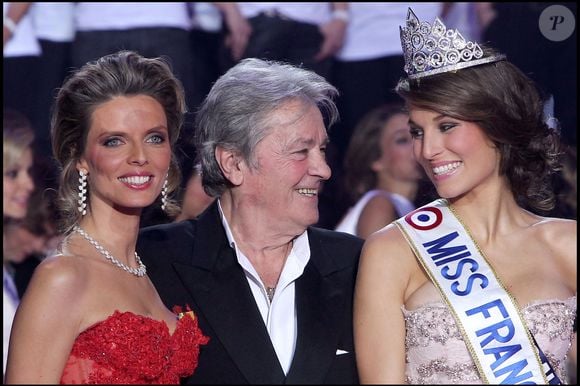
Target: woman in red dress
90,313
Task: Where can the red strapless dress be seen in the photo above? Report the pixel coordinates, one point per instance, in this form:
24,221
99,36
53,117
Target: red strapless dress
133,349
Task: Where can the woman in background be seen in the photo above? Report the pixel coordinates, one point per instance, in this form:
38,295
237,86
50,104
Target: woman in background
17,188
381,174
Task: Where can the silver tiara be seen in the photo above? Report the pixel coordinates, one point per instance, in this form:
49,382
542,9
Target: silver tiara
431,49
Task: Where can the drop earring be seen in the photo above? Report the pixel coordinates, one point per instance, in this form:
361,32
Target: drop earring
164,195
82,192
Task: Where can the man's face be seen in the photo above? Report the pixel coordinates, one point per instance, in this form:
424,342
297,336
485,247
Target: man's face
291,168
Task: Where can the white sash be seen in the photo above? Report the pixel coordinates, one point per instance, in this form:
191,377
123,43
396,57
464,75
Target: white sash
486,314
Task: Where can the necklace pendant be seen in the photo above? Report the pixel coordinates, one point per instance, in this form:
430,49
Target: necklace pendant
270,292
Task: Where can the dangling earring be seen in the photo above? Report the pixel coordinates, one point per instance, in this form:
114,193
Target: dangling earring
164,195
82,192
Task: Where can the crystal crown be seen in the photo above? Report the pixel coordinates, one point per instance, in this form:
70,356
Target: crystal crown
431,49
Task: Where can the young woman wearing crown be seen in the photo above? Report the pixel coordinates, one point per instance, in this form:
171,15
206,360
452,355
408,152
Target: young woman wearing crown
477,286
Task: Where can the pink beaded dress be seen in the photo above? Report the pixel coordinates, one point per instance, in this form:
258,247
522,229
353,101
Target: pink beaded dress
436,352
127,348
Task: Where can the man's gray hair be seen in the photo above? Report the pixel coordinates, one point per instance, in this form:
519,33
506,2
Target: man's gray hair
235,114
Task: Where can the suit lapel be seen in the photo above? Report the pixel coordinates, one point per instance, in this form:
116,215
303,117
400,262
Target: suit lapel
320,297
221,291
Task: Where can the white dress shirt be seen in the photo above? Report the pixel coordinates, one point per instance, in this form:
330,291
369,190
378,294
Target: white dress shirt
280,315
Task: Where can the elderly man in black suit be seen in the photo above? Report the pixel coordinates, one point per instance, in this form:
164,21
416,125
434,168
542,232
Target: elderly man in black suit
273,292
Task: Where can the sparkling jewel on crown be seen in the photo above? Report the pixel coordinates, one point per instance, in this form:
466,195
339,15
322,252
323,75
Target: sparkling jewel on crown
431,49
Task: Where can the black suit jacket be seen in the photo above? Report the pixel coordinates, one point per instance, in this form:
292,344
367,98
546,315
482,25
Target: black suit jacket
191,263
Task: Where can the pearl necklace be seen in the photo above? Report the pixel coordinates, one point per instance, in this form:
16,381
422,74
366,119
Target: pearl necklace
141,271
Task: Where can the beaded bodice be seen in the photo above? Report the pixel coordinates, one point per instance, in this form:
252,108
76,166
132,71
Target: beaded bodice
133,349
436,352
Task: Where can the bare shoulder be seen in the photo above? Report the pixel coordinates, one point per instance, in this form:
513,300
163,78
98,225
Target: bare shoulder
560,237
58,280
380,207
61,270
388,266
548,223
388,248
55,300
377,213
389,237
48,320
380,203
559,233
